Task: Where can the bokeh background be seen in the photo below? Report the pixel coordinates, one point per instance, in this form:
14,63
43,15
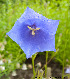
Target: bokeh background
11,10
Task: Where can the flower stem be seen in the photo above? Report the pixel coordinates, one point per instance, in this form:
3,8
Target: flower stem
66,33
33,67
46,65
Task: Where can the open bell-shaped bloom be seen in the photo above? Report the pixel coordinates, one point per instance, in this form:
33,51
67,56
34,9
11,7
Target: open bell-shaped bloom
34,32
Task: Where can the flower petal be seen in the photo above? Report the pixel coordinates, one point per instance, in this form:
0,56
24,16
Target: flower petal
31,44
39,43
47,24
30,14
52,26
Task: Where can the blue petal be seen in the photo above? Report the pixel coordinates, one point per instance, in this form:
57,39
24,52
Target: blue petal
40,43
30,14
47,24
67,70
52,26
30,44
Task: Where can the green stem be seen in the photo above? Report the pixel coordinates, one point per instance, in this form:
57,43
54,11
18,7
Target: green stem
46,65
63,66
33,67
66,33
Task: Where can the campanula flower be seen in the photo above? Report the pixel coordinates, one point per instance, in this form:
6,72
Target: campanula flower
67,70
34,32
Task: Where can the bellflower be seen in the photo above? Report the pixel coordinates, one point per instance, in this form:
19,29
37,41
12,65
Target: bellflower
34,32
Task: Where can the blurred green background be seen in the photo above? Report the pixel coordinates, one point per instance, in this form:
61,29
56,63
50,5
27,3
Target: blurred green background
11,10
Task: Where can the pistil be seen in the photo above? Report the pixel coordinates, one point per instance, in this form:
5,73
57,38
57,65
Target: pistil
33,30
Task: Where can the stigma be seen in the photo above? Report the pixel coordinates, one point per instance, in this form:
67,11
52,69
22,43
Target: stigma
33,30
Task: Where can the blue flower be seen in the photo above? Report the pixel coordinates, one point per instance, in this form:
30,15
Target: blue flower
67,70
34,32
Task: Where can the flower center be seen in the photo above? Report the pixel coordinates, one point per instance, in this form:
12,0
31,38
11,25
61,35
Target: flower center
33,30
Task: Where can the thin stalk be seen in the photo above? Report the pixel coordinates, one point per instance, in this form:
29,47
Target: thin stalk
33,66
63,66
66,33
46,65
